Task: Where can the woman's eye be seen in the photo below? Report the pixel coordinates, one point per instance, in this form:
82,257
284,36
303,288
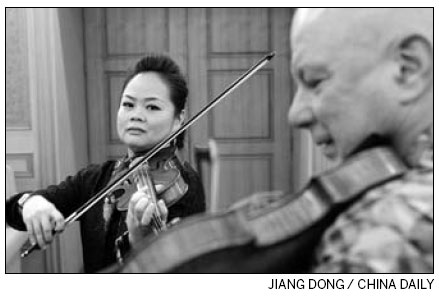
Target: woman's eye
152,107
127,104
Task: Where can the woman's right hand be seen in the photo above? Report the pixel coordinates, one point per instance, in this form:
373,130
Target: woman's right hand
42,219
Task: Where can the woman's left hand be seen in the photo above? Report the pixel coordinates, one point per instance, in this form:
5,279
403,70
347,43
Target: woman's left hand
140,214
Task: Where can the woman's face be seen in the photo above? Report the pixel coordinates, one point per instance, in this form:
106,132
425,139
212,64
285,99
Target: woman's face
146,113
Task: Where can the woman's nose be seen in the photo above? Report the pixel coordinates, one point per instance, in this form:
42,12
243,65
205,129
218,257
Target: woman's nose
300,114
137,114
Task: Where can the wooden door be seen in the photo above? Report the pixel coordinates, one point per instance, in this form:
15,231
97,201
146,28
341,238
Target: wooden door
250,127
213,46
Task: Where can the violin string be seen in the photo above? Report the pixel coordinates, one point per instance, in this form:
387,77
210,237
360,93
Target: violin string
157,223
146,182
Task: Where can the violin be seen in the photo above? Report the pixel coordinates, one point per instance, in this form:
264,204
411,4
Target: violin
121,178
268,235
160,172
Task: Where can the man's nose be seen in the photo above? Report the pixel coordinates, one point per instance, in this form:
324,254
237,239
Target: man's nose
300,114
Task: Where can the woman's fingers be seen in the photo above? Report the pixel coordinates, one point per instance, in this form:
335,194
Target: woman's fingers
38,233
41,219
174,221
142,210
163,210
47,229
134,199
31,232
159,213
132,206
58,220
159,187
147,215
140,207
41,231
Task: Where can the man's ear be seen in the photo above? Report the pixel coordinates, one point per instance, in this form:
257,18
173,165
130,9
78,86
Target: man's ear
415,67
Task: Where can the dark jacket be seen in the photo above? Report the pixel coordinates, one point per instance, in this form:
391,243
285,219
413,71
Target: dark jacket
75,190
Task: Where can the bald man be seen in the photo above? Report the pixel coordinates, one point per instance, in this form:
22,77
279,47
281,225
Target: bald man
363,72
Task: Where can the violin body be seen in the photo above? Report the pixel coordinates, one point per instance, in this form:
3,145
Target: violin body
270,235
164,174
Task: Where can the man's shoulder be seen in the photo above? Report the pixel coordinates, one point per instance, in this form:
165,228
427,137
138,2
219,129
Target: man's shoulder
409,196
396,217
414,189
399,204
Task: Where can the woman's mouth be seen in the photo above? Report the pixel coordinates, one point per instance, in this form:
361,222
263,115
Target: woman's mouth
135,130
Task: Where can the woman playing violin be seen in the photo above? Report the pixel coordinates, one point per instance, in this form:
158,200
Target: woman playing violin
151,107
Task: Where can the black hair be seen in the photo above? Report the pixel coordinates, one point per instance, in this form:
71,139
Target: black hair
169,71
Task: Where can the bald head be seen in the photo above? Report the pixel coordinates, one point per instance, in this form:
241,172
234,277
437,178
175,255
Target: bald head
367,28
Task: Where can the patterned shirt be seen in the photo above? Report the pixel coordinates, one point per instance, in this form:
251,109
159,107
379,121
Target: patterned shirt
390,230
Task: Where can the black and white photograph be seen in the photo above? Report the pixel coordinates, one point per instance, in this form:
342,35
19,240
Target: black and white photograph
275,141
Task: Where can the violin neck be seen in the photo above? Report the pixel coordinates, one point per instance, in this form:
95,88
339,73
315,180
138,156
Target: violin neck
145,184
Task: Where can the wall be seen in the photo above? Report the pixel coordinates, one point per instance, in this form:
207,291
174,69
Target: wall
20,127
21,131
46,136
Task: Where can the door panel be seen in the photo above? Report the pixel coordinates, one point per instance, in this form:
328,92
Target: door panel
238,30
250,127
246,112
131,31
213,46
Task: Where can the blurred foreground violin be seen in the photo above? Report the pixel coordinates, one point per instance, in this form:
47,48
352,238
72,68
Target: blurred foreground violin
267,235
163,143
